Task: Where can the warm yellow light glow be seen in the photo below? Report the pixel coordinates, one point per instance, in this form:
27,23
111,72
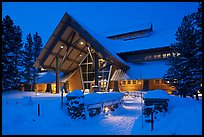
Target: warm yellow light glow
81,42
80,55
106,109
62,47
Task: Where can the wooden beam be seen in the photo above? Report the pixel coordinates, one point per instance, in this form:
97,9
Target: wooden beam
68,46
66,43
96,68
67,58
75,58
64,27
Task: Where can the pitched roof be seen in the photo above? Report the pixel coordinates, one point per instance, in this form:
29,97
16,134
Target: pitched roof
142,70
69,33
50,77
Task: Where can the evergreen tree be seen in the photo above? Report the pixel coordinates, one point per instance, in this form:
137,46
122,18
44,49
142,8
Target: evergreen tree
11,49
28,59
185,72
37,47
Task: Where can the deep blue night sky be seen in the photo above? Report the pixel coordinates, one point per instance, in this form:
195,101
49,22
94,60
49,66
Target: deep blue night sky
101,17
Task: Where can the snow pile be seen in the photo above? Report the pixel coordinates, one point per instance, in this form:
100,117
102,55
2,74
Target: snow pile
75,93
19,119
161,94
27,100
94,98
182,112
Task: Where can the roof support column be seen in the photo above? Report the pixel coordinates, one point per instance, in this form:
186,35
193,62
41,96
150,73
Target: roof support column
96,69
57,74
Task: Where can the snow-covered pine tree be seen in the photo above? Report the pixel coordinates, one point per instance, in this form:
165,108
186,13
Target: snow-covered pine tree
198,72
11,47
37,47
185,72
28,59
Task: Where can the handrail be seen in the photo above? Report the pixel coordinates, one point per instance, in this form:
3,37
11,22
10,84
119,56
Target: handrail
102,102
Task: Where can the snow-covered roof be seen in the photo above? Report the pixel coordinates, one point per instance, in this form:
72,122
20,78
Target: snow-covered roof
161,94
136,27
142,70
70,29
105,42
50,77
159,37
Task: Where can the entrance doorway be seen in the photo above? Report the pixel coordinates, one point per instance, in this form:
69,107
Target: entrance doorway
48,89
146,85
116,86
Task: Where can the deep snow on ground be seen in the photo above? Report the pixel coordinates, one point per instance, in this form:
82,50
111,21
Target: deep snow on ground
19,116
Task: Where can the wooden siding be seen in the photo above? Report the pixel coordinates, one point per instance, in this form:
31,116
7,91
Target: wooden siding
124,86
75,81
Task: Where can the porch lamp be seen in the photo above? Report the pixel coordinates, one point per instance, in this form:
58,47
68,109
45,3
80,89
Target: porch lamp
81,42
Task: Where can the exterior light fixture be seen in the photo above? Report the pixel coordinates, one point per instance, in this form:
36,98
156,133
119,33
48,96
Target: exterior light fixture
80,55
106,109
81,42
62,47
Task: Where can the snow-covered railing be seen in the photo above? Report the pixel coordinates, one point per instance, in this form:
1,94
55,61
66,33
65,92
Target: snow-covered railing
104,103
83,106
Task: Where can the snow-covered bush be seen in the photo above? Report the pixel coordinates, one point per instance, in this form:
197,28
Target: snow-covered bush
157,98
75,104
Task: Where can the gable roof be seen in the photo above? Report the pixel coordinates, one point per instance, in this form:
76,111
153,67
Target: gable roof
69,33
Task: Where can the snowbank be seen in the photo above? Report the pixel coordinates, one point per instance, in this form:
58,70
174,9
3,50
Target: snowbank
75,93
98,97
184,117
161,94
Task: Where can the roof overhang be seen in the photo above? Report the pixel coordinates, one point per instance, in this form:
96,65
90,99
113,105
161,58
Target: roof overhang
69,34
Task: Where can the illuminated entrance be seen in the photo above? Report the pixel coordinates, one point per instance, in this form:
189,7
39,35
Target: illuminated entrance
87,71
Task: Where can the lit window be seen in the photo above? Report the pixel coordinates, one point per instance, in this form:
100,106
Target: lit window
124,82
156,81
164,56
139,82
129,82
159,56
168,54
134,82
167,82
146,58
174,54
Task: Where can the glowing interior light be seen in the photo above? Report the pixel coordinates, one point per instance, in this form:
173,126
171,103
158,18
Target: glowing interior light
81,42
106,109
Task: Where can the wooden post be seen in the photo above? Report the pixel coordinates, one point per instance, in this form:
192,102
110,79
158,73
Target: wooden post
96,69
57,74
38,109
62,99
152,120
